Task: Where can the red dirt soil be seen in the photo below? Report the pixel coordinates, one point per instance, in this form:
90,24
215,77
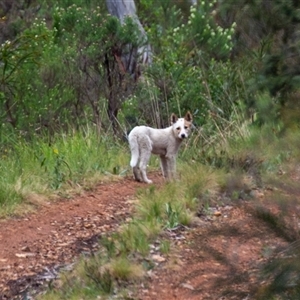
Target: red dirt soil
219,257
58,232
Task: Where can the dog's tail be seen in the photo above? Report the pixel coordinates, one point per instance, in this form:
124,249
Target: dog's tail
134,148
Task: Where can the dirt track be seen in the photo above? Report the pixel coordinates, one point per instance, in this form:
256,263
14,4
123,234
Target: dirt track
57,233
218,258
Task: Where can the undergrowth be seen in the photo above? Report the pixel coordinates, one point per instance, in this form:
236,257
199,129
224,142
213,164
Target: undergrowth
49,168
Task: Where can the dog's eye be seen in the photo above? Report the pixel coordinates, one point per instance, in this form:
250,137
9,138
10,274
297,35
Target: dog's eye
185,127
178,128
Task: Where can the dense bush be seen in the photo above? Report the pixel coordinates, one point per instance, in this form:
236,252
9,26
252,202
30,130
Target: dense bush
61,64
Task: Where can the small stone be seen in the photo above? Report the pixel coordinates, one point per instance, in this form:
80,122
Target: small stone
158,258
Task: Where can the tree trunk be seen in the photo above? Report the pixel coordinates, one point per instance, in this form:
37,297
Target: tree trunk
126,8
128,63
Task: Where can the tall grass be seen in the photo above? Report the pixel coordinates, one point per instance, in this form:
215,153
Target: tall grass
37,167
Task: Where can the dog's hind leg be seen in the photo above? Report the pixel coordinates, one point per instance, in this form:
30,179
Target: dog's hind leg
145,153
137,174
145,156
135,156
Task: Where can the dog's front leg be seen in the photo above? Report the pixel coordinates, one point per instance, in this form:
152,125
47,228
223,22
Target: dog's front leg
164,166
172,167
169,167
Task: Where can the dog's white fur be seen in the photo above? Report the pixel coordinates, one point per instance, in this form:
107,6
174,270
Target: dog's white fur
165,142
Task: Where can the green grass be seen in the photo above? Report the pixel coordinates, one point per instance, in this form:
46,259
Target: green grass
165,246
39,168
124,269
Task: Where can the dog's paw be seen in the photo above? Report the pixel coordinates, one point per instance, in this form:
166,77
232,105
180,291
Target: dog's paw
149,181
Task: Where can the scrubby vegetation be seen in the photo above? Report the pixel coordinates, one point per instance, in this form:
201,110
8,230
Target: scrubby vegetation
66,108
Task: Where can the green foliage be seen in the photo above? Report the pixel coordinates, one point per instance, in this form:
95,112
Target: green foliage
134,239
102,278
94,58
203,34
267,109
63,69
59,175
39,167
271,29
123,269
172,216
165,246
64,65
20,58
284,273
192,70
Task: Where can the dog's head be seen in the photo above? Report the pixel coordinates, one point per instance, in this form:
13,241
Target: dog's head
182,126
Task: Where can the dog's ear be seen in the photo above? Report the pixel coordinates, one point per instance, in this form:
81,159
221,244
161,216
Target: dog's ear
174,119
188,117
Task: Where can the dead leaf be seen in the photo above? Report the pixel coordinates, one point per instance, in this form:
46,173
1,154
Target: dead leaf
25,249
188,286
158,258
25,255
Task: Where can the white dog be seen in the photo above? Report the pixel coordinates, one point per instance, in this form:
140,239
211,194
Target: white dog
165,142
